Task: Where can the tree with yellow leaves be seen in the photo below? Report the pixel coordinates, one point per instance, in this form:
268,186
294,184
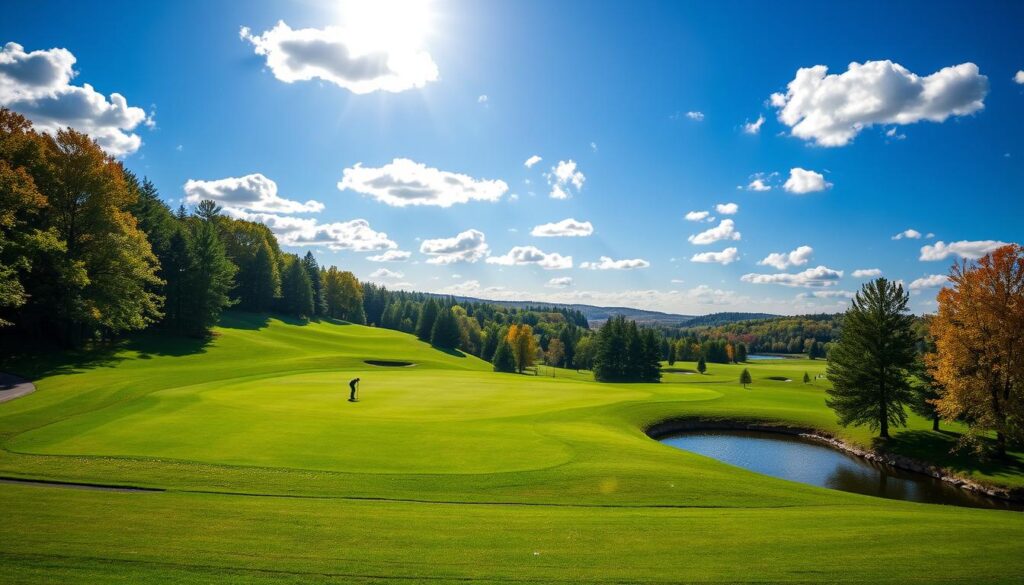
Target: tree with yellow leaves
524,346
979,360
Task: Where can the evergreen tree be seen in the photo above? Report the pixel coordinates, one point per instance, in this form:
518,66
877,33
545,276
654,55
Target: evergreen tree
210,280
671,354
296,289
177,267
568,339
610,351
503,359
425,326
745,378
313,270
445,332
741,353
208,210
870,364
650,366
807,379
702,366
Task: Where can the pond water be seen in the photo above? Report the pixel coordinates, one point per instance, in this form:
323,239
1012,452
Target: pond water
797,459
757,356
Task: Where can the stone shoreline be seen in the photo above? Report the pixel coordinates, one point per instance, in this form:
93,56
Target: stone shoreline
668,427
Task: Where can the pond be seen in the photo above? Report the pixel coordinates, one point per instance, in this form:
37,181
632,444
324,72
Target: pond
798,459
758,356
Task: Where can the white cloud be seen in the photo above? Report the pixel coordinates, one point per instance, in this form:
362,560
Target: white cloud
482,99
467,246
826,294
355,235
405,182
964,249
1019,77
866,273
37,84
727,208
802,181
463,288
758,185
390,256
249,193
606,263
343,57
895,134
820,276
593,146
532,161
832,109
560,282
566,227
784,260
726,256
385,274
531,255
695,116
754,127
697,215
910,234
725,230
562,176
931,281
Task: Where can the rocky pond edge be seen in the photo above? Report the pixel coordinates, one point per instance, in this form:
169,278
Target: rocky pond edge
669,427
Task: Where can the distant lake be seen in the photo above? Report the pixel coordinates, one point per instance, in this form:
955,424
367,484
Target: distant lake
755,356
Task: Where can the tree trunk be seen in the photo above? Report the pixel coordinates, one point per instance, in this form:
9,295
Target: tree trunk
884,430
1000,444
935,423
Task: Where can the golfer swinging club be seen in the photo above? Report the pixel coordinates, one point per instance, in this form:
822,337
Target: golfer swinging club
354,387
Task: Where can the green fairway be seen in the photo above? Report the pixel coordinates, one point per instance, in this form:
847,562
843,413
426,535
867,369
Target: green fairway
444,472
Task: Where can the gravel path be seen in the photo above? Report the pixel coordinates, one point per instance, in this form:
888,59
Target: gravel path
12,387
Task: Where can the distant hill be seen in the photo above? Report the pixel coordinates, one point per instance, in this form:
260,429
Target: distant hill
596,316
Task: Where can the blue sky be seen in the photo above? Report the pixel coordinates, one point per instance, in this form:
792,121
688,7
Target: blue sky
649,100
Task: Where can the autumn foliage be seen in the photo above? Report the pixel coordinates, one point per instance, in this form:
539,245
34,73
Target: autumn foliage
979,357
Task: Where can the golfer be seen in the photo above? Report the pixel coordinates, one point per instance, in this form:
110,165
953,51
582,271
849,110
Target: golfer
353,386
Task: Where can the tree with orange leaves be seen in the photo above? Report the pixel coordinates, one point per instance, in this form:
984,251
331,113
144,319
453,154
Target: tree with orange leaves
979,360
524,346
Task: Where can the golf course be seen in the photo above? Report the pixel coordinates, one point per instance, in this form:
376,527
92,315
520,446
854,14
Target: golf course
239,459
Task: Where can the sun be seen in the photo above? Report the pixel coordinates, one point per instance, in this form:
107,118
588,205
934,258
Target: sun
391,26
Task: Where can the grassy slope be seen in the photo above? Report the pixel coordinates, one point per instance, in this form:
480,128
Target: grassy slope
523,464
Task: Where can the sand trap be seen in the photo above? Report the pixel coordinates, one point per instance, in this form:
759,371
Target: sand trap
389,364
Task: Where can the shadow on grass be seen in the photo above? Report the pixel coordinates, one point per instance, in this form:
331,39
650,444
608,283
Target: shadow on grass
245,320
939,447
451,352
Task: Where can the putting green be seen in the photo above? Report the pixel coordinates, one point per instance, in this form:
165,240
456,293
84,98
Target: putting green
442,472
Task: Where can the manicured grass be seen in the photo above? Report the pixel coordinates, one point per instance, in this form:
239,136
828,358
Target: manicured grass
445,471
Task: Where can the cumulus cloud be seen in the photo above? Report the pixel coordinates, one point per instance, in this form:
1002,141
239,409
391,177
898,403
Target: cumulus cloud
727,208
802,181
467,246
1019,77
355,235
725,230
910,234
867,273
971,250
385,274
820,276
531,255
560,282
483,99
826,294
563,176
755,126
759,184
37,84
697,215
567,227
405,182
249,193
528,163
726,256
930,281
783,260
338,56
695,116
606,263
390,256
832,109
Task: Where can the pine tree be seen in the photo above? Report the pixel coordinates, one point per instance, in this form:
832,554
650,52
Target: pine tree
745,378
650,366
264,280
313,270
425,325
568,338
210,280
671,354
870,364
445,332
503,359
176,268
807,379
702,365
741,353
296,289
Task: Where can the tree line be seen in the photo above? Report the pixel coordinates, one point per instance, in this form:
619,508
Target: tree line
810,334
962,364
